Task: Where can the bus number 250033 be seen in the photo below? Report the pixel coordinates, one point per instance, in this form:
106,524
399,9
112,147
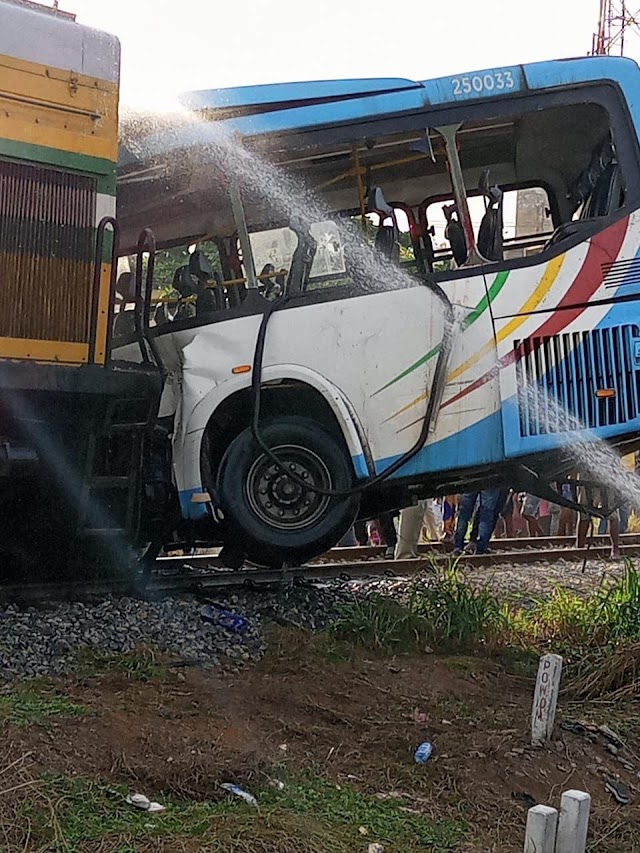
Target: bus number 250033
482,84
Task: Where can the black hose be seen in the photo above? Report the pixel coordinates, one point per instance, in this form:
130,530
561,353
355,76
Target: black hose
434,399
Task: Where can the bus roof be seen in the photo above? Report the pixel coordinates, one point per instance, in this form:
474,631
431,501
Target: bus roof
277,108
165,159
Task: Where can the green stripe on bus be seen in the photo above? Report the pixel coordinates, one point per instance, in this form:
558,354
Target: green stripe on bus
103,170
495,288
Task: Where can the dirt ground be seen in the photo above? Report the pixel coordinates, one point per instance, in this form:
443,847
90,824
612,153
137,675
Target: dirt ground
353,722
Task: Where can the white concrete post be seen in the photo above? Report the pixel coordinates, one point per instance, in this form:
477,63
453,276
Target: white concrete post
545,698
573,822
542,822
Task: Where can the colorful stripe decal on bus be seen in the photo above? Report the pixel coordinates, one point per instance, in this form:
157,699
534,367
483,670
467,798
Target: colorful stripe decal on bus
542,288
481,307
588,280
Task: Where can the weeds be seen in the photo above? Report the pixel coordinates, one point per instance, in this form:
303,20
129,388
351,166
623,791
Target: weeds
443,612
382,624
457,614
599,634
25,706
309,815
575,623
142,664
383,819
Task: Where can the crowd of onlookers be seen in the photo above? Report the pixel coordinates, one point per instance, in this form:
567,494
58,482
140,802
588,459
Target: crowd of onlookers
469,521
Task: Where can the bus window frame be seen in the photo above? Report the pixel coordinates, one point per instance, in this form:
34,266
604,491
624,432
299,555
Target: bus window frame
605,93
511,187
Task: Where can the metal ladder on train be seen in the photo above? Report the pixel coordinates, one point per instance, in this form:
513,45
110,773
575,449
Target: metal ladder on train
95,520
104,477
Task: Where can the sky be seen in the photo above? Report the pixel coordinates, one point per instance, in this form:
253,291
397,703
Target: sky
171,47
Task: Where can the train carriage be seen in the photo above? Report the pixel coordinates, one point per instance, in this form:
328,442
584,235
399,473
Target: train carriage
72,420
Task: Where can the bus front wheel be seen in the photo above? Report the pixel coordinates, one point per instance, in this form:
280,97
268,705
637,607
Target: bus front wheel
276,510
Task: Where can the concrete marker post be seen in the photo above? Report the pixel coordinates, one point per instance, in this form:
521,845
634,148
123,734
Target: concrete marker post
540,837
545,699
573,822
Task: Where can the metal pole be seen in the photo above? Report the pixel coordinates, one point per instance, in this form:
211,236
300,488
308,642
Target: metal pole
448,133
243,236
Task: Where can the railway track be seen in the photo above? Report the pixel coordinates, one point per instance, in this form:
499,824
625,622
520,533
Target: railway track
203,573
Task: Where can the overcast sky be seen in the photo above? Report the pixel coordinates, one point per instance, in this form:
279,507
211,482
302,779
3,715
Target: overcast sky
169,47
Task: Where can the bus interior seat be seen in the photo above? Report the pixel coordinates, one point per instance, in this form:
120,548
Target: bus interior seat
490,232
123,321
271,283
607,195
168,312
454,234
208,298
387,240
598,192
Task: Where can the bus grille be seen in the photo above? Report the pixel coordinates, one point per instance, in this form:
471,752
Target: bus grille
46,252
558,378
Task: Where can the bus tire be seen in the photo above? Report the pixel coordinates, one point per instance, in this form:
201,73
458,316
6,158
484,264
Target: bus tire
271,518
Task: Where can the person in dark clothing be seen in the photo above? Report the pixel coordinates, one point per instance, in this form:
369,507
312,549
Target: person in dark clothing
488,501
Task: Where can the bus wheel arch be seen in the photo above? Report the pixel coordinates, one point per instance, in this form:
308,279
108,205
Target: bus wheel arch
298,419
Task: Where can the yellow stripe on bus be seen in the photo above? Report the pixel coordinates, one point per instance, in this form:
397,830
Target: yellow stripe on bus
544,286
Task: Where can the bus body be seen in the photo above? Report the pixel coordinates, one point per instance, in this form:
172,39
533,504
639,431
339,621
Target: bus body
61,394
519,320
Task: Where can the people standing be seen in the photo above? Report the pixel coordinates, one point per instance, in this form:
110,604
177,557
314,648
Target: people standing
412,520
530,506
592,496
487,502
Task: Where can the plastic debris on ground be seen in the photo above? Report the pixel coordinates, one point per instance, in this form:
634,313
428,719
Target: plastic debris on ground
238,792
618,790
140,801
423,753
224,618
375,848
418,716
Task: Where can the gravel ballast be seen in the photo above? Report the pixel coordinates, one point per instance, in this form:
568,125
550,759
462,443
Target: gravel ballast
47,640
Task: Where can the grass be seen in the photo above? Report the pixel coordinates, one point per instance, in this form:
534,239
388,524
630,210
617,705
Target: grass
310,815
381,624
26,705
443,613
598,634
141,664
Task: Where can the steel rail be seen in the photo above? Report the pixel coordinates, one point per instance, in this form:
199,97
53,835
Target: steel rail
203,573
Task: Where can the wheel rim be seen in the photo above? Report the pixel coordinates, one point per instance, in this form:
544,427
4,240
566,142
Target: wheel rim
280,501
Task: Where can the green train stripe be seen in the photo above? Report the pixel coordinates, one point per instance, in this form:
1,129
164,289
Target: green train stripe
495,288
103,170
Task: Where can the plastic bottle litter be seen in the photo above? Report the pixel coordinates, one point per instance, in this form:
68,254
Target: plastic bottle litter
423,753
224,618
238,792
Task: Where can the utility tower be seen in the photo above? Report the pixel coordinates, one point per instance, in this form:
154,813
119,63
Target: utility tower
614,21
